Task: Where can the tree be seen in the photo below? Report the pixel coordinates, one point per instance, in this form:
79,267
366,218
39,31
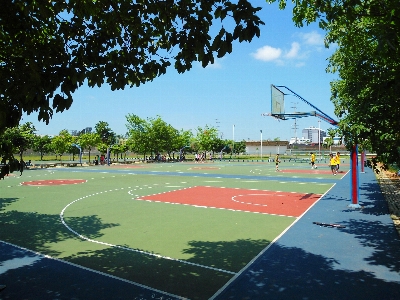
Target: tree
367,59
159,133
194,144
138,134
62,142
23,138
42,144
240,147
50,48
328,142
206,137
183,139
74,147
164,136
119,149
15,140
107,136
88,141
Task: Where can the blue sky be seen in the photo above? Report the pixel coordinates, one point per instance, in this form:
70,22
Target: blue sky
230,95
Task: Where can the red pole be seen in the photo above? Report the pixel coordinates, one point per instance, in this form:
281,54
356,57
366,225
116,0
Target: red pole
354,177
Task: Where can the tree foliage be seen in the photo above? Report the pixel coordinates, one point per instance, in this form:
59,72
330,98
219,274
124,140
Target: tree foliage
15,140
50,48
42,144
138,134
107,136
88,141
62,142
367,60
207,138
240,147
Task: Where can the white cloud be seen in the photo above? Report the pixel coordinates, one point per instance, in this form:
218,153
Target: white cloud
267,53
313,38
294,51
215,65
298,54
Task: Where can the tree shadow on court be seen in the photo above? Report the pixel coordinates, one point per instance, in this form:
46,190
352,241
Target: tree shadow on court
292,273
372,226
4,202
380,239
88,226
36,231
232,255
372,200
194,281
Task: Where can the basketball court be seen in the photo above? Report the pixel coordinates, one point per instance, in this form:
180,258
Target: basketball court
173,229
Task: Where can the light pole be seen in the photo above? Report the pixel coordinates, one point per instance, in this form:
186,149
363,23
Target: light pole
295,124
261,144
218,122
319,138
233,142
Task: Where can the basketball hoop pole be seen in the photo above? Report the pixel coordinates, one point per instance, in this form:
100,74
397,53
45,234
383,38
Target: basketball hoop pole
319,139
278,111
354,180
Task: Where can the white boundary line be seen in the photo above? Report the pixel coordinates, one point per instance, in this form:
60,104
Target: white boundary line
94,271
250,203
127,248
266,248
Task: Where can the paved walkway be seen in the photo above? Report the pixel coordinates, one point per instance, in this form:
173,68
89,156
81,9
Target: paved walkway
360,261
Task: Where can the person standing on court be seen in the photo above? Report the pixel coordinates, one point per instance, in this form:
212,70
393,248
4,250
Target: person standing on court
332,163
313,166
337,157
277,161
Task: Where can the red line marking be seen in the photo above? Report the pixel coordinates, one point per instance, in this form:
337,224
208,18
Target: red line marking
269,202
53,182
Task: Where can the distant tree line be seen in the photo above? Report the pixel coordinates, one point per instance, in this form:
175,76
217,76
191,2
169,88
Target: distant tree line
146,137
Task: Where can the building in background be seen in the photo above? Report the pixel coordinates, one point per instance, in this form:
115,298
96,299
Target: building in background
266,148
311,133
300,141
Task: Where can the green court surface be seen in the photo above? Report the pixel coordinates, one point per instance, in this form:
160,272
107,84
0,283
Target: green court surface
111,223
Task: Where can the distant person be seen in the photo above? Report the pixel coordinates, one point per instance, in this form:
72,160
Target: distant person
277,161
21,167
313,166
337,157
332,163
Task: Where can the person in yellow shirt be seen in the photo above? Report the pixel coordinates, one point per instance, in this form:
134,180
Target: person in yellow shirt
332,163
313,166
337,157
